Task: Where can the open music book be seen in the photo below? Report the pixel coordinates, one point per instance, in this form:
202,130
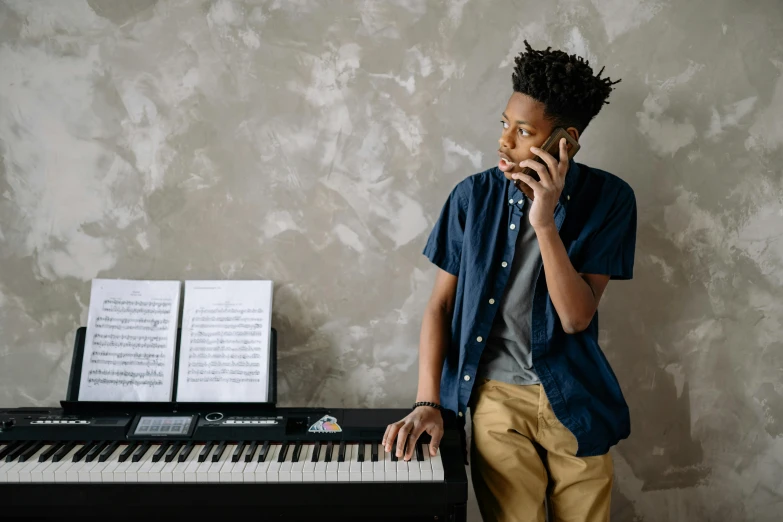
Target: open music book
131,352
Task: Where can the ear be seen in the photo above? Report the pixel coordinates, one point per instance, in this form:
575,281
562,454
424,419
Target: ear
574,132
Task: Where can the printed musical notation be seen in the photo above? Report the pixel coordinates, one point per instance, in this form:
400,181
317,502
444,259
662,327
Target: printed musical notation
224,354
130,345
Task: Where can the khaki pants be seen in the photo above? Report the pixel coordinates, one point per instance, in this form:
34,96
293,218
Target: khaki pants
511,425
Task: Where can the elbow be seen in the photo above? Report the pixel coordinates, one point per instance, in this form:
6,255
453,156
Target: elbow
574,325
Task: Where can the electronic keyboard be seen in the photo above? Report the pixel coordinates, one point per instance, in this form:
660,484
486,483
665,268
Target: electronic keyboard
224,460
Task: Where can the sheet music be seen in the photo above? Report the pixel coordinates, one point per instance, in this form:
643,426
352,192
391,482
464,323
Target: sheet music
131,341
224,352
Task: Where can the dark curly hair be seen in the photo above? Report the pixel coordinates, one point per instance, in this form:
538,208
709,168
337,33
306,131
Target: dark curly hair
565,84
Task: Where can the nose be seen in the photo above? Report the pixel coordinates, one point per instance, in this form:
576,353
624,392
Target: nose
505,140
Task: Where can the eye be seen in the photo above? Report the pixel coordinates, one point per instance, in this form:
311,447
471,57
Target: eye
505,125
524,132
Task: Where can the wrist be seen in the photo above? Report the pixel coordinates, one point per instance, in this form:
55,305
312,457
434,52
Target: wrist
547,227
427,404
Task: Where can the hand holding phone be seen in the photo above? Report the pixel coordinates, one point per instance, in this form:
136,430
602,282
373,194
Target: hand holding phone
552,146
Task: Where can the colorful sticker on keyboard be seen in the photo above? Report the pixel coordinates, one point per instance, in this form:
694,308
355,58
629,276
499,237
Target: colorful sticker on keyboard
326,424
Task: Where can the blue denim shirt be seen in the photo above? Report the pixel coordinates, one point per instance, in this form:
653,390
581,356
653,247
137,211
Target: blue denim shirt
473,239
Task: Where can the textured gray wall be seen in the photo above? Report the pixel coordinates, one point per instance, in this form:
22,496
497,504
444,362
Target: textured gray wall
313,143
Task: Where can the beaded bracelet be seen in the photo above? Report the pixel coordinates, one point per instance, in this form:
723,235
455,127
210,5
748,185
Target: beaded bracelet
430,404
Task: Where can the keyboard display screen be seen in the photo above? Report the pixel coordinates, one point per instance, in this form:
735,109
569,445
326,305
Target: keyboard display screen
178,425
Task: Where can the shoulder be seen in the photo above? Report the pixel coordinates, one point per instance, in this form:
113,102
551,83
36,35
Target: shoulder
611,187
479,184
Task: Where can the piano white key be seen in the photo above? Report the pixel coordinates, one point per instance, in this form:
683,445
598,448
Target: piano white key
367,465
249,471
402,470
273,471
414,469
96,473
132,473
331,466
191,472
237,470
319,471
437,467
344,468
262,471
65,463
143,475
156,469
108,474
284,473
72,473
47,474
378,467
389,467
202,472
25,474
308,470
355,467
297,468
224,472
86,470
426,466
12,470
167,471
4,467
181,469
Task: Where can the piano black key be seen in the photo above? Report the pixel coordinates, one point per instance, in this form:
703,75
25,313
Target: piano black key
329,448
79,455
18,450
394,451
251,451
316,452
219,451
8,449
127,452
374,454
264,452
341,453
63,451
283,452
145,446
185,453
175,447
204,452
361,452
297,450
30,451
108,451
419,453
46,455
160,452
95,451
238,452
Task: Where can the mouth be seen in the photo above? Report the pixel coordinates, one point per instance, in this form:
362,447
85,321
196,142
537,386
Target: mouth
504,163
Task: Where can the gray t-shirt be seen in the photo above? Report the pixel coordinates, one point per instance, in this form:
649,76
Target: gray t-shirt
507,356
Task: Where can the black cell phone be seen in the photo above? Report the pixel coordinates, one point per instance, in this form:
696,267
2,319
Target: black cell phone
552,146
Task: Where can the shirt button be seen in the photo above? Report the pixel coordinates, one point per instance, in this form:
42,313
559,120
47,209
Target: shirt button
513,226
520,201
504,264
568,198
479,338
467,377
511,201
491,301
460,414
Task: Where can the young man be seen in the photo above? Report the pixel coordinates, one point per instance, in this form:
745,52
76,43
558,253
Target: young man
511,329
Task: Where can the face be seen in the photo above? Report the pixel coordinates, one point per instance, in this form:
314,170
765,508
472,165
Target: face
524,126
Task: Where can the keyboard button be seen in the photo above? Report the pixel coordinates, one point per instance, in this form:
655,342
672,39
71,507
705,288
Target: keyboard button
173,450
319,472
205,452
46,455
18,450
264,454
79,455
355,463
94,451
218,453
8,448
63,451
127,452
238,452
185,453
108,451
389,466
437,467
297,466
251,451
341,453
374,455
160,452
30,451
139,454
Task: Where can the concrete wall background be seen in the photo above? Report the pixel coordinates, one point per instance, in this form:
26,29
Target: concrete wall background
313,143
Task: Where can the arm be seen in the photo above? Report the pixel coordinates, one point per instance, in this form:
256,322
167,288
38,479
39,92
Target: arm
575,296
434,336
